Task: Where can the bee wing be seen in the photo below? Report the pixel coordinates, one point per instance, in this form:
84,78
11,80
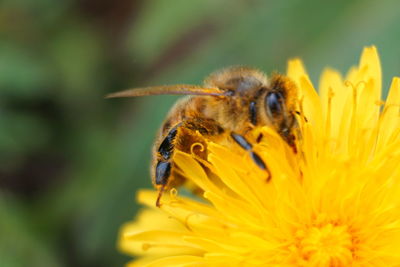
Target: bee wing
179,89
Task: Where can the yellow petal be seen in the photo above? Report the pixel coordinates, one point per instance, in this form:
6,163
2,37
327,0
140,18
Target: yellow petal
391,115
310,103
334,202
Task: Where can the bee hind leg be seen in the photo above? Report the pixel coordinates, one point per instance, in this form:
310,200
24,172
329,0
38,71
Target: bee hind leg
162,171
182,136
246,145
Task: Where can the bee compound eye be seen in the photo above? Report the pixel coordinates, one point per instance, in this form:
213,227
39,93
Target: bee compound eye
273,104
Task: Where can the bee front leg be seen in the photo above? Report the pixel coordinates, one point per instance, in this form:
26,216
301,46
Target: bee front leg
246,145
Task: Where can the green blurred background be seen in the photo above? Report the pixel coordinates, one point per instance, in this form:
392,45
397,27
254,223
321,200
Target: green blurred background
71,161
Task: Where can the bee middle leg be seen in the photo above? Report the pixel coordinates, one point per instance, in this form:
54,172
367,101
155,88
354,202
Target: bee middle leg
246,145
182,136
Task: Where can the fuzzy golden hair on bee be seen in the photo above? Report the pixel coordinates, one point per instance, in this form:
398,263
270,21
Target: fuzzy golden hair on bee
231,103
227,78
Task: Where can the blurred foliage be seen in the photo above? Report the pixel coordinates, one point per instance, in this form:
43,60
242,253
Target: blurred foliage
70,161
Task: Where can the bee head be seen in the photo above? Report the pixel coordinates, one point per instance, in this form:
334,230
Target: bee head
278,104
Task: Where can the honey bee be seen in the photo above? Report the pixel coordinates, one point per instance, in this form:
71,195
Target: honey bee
231,103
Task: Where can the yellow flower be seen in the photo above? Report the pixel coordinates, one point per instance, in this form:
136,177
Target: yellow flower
335,203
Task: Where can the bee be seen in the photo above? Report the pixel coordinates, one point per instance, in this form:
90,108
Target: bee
231,102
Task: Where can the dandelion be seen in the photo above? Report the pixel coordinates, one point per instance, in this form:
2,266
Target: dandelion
334,203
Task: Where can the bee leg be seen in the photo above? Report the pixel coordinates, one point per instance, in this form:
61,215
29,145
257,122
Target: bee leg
182,137
164,164
241,141
163,171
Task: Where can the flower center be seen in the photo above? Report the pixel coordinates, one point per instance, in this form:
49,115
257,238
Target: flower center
327,245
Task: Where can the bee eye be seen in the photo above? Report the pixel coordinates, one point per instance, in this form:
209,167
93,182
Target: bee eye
273,104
